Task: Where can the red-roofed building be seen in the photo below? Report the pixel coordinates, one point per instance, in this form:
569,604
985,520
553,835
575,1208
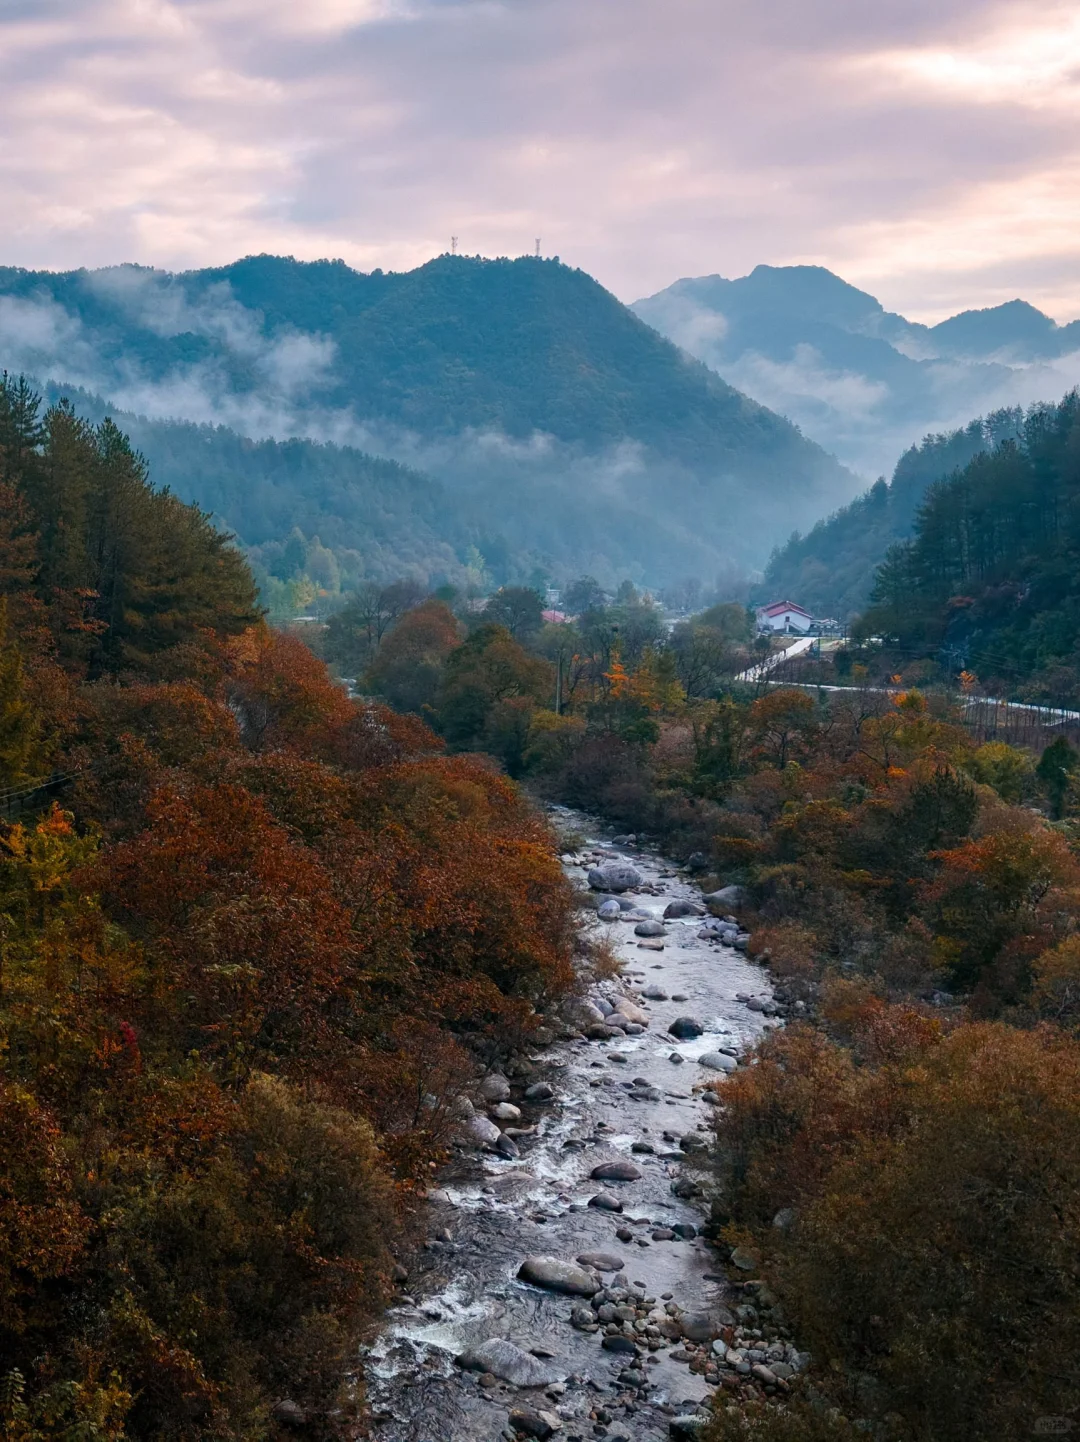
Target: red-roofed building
784,616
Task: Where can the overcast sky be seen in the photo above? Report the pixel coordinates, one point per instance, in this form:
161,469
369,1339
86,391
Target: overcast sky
928,150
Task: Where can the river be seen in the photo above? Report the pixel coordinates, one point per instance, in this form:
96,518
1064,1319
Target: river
488,1213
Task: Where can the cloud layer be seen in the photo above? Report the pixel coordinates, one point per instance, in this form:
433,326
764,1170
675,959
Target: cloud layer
927,151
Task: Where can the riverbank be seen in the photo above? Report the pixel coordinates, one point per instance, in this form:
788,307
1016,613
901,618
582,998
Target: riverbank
633,1317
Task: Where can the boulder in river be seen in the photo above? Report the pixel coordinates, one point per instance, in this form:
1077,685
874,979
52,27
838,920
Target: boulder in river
605,1202
654,993
676,909
615,1172
717,1061
650,928
539,1092
613,878
483,1130
625,1008
686,1027
555,1275
541,1425
505,1112
728,898
601,1261
512,1363
619,1343
495,1088
609,911
507,1147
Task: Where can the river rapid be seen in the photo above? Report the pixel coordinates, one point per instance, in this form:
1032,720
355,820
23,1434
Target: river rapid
490,1213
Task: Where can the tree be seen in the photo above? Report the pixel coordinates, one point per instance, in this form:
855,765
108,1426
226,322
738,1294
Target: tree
490,688
1055,770
782,724
585,594
517,608
408,667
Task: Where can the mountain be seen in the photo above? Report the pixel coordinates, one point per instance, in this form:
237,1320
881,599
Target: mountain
990,579
546,409
861,380
831,569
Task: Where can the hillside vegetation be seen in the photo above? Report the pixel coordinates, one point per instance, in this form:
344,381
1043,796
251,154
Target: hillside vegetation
256,941
830,570
988,582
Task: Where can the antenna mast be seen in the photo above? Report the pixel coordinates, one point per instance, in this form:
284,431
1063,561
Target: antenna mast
538,250
453,245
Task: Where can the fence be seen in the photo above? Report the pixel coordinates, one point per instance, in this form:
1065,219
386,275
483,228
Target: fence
1018,723
15,800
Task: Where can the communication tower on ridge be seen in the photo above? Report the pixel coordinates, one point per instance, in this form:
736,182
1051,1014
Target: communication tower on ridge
453,245
538,250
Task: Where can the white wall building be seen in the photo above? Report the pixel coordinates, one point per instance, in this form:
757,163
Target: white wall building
784,616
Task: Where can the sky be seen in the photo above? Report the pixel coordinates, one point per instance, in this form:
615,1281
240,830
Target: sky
926,150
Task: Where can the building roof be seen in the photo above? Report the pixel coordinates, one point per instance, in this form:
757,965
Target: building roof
775,607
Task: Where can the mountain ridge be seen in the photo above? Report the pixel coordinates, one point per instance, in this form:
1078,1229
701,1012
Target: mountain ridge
864,381
521,385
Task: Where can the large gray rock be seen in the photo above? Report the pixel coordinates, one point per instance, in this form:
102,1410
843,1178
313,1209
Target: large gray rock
728,898
495,1088
514,1365
555,1275
625,1008
650,928
482,1130
609,911
613,878
540,1425
505,1112
683,908
605,1202
601,1261
717,1061
686,1027
615,1172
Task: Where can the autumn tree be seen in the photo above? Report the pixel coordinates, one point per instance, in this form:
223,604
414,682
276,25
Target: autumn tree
408,668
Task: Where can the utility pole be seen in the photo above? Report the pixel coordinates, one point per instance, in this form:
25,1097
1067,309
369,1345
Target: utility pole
558,685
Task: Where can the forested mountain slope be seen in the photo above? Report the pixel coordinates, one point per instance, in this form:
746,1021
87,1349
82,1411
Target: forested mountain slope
991,574
258,940
303,508
523,385
830,570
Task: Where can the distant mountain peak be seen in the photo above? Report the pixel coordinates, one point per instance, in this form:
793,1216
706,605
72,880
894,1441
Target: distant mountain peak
864,382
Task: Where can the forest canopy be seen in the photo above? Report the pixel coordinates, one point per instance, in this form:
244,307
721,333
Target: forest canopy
257,939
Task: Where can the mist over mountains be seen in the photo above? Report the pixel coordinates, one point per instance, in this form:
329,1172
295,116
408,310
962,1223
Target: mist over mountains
555,424
862,381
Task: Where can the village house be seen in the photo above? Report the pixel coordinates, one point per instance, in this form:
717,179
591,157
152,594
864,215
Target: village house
784,616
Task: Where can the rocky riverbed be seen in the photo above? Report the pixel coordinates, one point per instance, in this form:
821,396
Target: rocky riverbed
565,1290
